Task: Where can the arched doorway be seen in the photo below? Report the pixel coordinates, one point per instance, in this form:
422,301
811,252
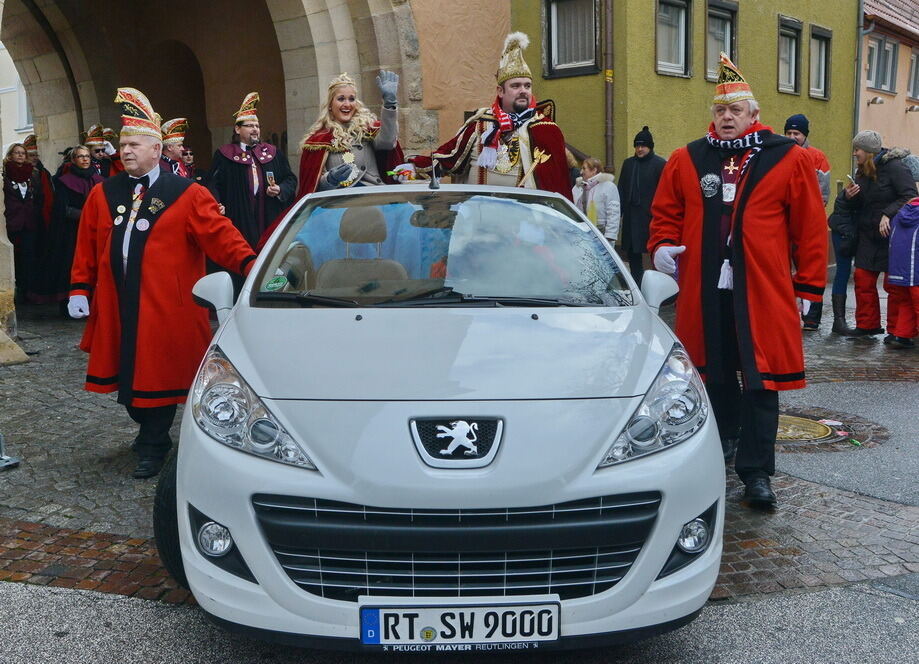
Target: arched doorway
179,95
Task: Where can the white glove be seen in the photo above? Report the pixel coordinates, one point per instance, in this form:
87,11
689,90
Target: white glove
664,258
78,306
804,306
109,149
405,178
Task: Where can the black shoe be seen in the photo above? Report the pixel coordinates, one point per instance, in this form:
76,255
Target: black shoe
899,342
147,467
729,447
759,493
810,326
862,332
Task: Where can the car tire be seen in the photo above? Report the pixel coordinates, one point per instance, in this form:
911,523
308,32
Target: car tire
166,522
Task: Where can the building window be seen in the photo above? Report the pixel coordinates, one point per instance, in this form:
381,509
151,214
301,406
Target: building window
572,37
24,108
720,36
673,26
820,63
882,64
789,51
913,87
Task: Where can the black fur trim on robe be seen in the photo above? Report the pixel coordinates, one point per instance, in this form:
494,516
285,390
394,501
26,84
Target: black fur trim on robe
707,159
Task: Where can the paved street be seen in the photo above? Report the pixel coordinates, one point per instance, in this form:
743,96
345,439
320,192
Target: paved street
835,563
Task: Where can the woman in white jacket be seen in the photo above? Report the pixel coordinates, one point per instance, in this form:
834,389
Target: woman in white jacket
596,195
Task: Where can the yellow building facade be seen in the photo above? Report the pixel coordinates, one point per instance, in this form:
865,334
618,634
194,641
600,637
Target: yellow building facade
798,56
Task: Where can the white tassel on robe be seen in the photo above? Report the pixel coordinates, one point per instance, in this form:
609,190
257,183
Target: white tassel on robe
726,278
488,157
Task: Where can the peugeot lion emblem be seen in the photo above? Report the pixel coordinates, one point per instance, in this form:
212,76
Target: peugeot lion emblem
457,442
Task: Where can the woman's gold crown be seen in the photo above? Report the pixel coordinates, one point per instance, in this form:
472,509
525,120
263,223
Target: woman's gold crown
342,79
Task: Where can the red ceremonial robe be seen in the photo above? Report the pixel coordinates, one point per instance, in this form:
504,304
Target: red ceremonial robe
145,336
317,147
777,215
551,175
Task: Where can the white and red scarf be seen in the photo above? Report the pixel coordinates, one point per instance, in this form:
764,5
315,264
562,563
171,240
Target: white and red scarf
503,122
751,140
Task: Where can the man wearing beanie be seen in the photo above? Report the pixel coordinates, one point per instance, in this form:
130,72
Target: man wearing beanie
733,210
797,128
638,180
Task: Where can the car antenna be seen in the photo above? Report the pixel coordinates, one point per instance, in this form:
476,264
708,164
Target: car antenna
435,181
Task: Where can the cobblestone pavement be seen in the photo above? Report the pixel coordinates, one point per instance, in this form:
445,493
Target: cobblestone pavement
71,515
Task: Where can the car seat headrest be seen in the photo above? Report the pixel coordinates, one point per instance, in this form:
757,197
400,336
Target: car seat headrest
364,224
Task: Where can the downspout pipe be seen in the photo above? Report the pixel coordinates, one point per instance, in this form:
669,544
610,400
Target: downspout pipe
608,80
859,55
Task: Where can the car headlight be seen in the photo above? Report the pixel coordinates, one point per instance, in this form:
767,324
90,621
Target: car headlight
673,410
227,410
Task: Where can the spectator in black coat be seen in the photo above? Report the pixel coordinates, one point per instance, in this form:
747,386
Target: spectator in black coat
638,180
883,184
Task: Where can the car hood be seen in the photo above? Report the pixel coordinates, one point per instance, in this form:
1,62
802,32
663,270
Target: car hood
425,354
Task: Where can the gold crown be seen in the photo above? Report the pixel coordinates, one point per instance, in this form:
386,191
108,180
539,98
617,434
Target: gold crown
342,79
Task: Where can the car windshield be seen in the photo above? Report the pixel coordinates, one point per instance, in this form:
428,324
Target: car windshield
439,248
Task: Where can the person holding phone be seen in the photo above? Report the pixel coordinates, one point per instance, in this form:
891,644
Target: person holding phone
881,186
238,178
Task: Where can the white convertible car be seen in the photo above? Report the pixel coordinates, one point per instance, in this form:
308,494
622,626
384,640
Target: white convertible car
444,419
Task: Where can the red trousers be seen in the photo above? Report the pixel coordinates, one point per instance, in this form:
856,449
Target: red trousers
907,317
868,304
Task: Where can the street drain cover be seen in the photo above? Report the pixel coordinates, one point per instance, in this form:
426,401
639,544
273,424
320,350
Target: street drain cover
794,429
813,429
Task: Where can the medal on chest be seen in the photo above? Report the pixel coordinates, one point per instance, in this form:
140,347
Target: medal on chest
508,155
348,158
729,184
709,184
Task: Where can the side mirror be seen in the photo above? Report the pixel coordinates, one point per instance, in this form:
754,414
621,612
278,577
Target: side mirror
657,288
215,290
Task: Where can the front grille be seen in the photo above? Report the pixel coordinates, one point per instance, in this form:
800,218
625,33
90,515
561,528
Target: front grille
342,551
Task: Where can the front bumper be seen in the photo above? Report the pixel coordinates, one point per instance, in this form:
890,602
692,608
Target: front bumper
221,482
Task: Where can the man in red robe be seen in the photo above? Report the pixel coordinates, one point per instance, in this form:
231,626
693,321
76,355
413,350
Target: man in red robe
104,155
173,144
731,211
514,142
141,246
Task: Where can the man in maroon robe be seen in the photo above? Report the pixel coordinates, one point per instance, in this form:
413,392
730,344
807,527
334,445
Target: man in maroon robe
514,142
252,180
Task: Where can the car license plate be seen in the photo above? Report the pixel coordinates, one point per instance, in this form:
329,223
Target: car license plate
441,627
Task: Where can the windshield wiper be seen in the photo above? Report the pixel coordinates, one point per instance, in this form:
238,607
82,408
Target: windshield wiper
511,301
306,299
422,296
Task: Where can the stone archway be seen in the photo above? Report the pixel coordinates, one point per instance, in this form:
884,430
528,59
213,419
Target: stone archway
72,54
319,39
49,57
181,95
